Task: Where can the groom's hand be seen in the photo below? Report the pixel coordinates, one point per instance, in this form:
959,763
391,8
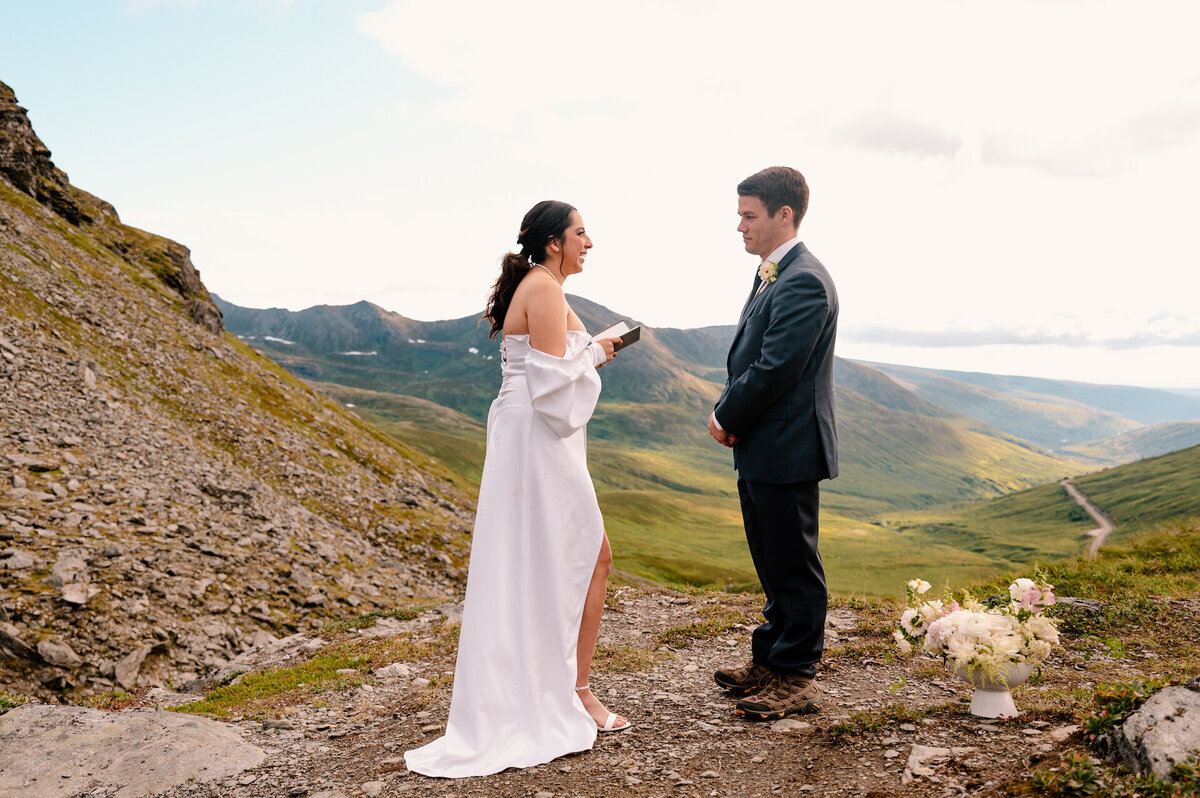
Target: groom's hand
719,435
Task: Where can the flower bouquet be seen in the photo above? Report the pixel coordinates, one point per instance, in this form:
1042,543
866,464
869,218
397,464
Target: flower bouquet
994,646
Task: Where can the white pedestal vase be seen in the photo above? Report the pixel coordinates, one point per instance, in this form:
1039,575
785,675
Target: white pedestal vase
992,698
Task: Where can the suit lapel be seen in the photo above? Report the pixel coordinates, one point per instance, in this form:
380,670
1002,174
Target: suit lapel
756,298
750,299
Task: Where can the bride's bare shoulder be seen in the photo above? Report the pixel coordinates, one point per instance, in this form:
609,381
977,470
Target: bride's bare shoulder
536,295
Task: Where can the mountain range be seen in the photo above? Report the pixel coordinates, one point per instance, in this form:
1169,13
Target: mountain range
447,362
666,489
1102,422
902,450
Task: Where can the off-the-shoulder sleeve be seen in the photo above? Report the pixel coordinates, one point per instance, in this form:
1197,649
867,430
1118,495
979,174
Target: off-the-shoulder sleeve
564,389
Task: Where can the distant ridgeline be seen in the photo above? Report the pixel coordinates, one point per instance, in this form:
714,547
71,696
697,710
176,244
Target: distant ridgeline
912,440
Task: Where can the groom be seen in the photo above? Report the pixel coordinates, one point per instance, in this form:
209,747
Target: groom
776,412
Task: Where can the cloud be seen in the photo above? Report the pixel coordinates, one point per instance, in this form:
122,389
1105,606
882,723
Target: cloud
999,336
893,133
1098,155
495,63
1163,128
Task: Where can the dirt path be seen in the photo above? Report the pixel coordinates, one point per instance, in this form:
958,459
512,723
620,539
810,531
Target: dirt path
1100,533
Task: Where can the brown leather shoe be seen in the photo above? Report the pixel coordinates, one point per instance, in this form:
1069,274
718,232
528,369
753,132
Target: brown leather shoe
785,694
746,679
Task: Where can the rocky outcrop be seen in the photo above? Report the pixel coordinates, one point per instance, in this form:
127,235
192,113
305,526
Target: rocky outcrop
1160,734
25,162
168,497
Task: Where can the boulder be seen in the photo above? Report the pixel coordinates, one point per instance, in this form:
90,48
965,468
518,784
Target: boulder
1161,733
127,668
17,560
271,655
11,642
59,654
56,752
397,670
70,576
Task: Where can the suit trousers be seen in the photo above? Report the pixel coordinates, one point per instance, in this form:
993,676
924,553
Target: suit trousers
781,530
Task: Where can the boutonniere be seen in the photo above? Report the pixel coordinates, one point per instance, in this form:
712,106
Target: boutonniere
768,271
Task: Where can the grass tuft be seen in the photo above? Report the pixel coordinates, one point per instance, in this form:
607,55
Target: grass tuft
1081,775
367,619
713,619
266,693
627,659
869,721
1114,702
114,700
9,701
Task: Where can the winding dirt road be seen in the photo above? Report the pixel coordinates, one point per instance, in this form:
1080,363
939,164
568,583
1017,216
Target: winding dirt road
1107,525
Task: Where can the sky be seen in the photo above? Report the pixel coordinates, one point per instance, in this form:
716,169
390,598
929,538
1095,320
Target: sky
999,187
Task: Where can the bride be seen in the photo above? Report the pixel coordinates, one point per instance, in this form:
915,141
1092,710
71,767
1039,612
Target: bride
539,555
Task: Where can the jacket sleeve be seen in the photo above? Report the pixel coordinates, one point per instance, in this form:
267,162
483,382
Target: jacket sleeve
564,390
797,317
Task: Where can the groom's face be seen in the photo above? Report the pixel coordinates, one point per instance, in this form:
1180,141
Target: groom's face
761,232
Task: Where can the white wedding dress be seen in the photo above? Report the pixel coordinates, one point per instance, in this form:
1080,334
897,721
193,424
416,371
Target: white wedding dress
538,532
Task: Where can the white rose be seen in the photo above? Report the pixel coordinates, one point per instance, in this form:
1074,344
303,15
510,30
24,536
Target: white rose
961,651
919,585
1006,645
906,621
902,642
1004,625
976,625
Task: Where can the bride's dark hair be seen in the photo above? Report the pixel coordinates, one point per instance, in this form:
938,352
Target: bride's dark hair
545,221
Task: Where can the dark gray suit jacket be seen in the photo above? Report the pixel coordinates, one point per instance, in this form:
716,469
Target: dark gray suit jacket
778,399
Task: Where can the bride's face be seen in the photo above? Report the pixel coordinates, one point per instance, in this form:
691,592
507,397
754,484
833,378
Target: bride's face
574,245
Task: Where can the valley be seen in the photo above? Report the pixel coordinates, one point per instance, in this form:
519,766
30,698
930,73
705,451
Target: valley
913,459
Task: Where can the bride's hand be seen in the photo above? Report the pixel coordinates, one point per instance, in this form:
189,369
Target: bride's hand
610,349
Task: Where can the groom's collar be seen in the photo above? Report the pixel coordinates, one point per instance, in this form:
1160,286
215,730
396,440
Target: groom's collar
781,250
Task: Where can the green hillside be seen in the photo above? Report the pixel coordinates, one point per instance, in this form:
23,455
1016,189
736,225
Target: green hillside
894,459
451,438
1043,523
1143,442
672,514
1147,492
669,494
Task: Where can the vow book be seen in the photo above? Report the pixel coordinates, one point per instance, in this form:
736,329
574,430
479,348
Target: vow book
623,331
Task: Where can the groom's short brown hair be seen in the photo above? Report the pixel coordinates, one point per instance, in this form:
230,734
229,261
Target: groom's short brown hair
777,186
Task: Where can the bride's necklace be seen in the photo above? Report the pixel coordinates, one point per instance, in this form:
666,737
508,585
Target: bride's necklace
547,271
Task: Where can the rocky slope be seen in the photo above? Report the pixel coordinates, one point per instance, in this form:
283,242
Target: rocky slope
168,496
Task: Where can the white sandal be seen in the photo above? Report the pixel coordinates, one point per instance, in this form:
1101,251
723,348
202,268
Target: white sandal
610,721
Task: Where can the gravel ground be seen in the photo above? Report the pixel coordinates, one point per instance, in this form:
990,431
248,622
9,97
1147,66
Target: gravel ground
889,726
